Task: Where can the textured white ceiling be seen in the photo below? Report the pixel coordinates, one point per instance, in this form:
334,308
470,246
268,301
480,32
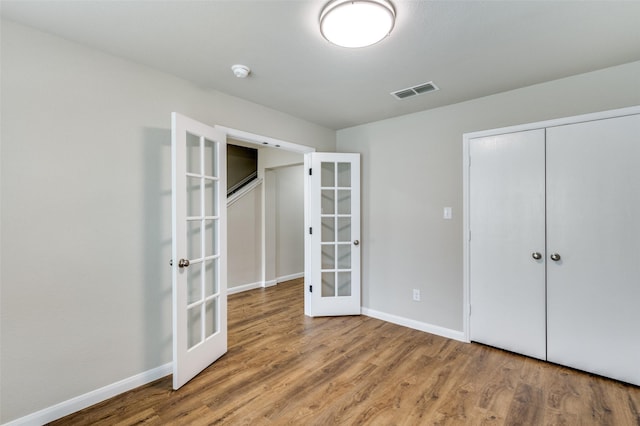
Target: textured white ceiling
468,48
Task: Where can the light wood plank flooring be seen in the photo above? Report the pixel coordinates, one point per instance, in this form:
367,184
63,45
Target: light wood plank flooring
285,368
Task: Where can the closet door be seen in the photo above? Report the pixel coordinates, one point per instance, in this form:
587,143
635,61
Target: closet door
507,223
593,200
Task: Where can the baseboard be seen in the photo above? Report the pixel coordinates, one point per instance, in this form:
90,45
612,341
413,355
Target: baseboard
88,399
290,277
416,325
270,283
263,284
244,287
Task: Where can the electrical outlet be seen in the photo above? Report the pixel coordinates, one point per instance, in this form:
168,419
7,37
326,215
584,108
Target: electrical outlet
416,295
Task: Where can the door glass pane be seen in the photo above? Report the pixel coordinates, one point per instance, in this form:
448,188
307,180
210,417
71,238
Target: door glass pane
328,256
211,277
194,239
328,174
194,326
211,315
344,256
194,282
328,229
328,201
344,229
211,197
328,284
193,196
344,201
344,283
210,152
193,153
210,237
344,175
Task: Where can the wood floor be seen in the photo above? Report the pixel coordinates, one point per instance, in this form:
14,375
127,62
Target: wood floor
285,368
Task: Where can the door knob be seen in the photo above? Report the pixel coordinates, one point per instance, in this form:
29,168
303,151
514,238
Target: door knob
356,242
555,257
183,263
536,255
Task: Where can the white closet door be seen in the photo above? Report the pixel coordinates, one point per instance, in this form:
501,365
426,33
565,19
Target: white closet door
593,199
507,222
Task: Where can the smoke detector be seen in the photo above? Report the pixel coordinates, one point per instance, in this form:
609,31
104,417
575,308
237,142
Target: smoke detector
240,71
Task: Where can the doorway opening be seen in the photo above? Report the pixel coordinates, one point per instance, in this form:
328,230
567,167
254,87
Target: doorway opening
267,216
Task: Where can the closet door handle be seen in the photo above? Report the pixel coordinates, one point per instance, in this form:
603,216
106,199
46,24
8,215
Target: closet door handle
555,257
536,255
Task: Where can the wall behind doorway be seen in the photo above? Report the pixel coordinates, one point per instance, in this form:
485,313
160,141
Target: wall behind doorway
284,227
289,221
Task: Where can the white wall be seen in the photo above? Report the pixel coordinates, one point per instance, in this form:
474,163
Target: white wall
412,168
244,236
272,164
86,234
290,220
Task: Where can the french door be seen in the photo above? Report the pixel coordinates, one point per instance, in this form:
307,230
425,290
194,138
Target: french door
199,247
332,272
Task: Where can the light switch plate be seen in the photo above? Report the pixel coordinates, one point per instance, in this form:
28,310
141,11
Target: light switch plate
447,213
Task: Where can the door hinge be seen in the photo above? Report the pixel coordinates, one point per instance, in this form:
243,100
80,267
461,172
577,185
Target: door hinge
310,230
469,235
310,289
310,172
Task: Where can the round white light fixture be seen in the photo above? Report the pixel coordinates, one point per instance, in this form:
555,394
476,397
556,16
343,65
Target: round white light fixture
240,71
357,23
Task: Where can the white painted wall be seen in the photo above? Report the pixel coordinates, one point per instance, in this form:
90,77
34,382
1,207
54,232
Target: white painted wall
412,168
289,220
86,234
270,164
244,235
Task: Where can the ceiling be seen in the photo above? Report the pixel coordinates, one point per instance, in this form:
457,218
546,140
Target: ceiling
469,49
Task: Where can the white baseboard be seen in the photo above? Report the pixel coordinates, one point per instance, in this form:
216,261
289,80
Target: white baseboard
416,325
88,399
263,284
244,287
270,283
290,277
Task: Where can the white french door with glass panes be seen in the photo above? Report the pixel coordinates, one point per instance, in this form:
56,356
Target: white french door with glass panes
332,276
199,247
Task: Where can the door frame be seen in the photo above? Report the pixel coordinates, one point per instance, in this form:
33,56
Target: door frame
466,138
273,143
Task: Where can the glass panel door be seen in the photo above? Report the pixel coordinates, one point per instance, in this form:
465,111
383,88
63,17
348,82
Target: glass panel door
199,246
334,193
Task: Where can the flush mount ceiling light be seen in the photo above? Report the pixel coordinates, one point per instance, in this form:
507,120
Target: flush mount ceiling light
357,23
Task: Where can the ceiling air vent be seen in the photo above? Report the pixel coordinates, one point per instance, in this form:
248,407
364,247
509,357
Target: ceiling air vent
415,90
